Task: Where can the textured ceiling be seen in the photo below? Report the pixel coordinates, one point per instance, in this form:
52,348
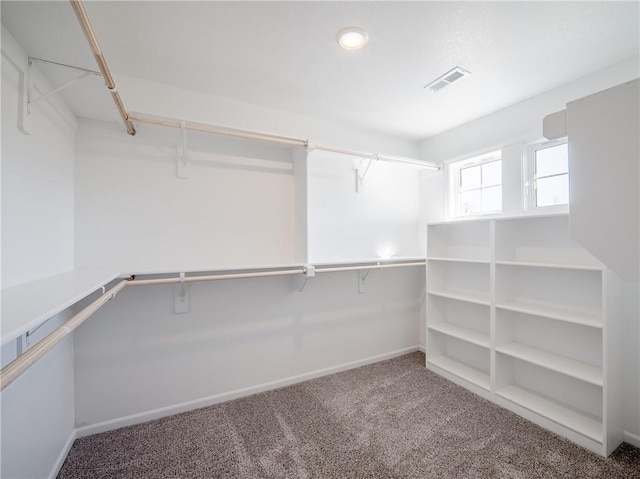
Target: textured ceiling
285,55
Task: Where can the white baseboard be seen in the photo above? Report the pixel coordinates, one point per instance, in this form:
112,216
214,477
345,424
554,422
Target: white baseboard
63,455
422,349
218,398
632,439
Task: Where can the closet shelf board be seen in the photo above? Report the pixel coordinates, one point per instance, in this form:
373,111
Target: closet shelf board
533,264
468,373
576,421
569,367
458,260
593,320
461,333
468,297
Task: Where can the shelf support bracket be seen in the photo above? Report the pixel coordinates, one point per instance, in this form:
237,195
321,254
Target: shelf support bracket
183,167
362,278
86,73
300,281
360,177
181,296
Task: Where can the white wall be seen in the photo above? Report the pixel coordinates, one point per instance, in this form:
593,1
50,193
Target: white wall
37,410
134,214
381,219
135,355
37,179
509,129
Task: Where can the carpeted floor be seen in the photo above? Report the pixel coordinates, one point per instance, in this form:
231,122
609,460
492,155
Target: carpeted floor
392,419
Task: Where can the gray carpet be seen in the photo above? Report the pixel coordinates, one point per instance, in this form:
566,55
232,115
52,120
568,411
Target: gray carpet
392,419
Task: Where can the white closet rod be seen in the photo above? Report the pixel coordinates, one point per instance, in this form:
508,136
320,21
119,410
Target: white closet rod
83,18
283,140
217,277
15,368
337,269
218,130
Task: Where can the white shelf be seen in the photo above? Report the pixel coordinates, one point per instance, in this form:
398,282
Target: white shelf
570,367
534,264
459,260
461,333
28,305
593,320
468,297
468,373
576,421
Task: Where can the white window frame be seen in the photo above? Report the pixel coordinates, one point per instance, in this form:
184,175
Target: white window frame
530,177
455,167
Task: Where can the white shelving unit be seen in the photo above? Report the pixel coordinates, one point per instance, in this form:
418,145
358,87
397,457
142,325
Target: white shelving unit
522,315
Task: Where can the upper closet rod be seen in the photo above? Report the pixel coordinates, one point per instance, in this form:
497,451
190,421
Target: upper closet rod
81,13
283,140
218,130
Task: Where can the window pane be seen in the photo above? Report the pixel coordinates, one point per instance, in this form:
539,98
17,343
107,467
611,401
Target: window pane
552,161
470,178
552,191
492,173
470,202
492,198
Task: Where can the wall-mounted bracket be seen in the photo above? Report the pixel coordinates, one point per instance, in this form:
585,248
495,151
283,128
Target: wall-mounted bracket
309,145
183,166
30,88
181,296
362,172
300,281
362,278
23,342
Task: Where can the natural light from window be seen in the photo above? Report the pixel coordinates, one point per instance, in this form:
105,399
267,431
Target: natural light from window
551,177
480,188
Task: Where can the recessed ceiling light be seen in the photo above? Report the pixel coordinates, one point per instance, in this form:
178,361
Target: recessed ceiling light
352,38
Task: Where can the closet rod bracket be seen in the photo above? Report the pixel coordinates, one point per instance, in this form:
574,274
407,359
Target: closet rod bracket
362,278
300,280
360,177
183,167
181,296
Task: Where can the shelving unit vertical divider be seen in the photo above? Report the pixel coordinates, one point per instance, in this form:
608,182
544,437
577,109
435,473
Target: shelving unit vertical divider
492,306
613,428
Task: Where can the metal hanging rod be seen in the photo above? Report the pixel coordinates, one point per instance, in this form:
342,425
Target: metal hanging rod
15,368
218,130
217,277
78,8
283,140
337,269
379,157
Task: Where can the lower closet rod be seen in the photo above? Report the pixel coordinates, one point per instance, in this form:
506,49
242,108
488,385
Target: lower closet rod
337,269
15,368
214,277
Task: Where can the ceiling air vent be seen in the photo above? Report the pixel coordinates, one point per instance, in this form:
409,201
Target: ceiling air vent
447,79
